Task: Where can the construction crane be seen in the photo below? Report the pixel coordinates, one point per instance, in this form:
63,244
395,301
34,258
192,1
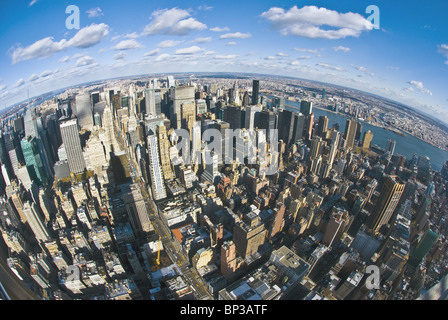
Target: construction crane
158,251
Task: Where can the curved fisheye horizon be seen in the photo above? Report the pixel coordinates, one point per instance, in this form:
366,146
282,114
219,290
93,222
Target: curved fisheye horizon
344,44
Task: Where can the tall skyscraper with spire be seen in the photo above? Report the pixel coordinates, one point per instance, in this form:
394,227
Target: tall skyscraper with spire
156,173
235,94
164,151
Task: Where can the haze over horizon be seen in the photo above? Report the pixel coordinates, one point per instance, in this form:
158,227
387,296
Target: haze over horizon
405,60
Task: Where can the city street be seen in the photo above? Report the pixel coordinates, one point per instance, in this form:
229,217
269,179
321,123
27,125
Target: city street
170,244
14,287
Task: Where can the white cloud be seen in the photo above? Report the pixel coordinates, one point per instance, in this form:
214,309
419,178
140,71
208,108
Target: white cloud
46,74
392,68
162,57
85,61
2,87
187,51
94,12
443,49
202,40
231,43
128,45
133,35
173,21
152,52
77,56
33,77
270,58
45,48
341,48
281,54
218,29
64,59
32,3
205,7
89,36
41,49
364,70
169,43
119,56
313,22
226,56
237,35
306,50
419,86
329,66
19,83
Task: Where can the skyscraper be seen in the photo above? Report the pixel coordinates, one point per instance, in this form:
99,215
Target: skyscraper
137,210
317,145
336,224
13,150
164,149
322,126
72,143
211,166
255,91
35,221
309,126
251,112
196,143
233,116
188,110
350,133
286,126
299,127
235,95
390,146
157,181
179,96
249,235
368,137
266,121
423,247
306,107
150,101
84,111
387,202
334,144
171,82
228,258
33,160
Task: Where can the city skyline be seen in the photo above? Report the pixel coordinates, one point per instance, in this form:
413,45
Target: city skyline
405,60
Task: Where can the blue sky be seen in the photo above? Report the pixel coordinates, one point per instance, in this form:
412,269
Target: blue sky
330,41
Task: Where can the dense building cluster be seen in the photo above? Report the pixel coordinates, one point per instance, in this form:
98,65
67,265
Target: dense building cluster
97,201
